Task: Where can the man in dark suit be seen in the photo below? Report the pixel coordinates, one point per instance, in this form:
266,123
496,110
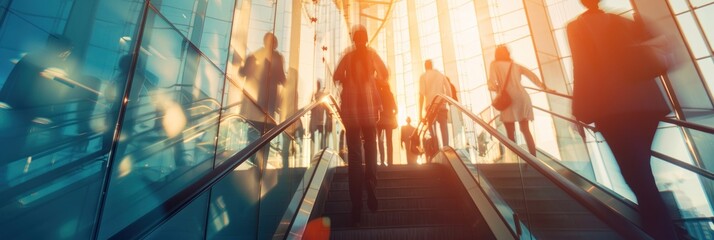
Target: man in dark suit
625,108
359,72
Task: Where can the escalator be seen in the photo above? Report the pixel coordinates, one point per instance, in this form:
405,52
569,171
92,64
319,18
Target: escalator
282,184
517,195
415,202
491,190
560,195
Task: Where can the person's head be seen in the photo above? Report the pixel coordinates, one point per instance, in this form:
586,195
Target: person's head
590,4
409,120
502,53
359,36
270,41
428,64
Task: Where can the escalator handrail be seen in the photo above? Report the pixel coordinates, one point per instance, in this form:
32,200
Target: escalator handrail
690,125
173,205
574,121
39,180
694,169
686,124
618,222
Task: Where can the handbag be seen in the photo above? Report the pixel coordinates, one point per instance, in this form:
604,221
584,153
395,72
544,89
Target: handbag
503,99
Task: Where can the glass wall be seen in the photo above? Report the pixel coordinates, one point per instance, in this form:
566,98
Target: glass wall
108,109
63,75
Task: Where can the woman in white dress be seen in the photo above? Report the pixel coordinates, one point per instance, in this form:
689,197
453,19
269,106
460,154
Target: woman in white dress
521,109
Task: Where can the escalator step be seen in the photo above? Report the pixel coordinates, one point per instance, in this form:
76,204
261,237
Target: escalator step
396,192
398,204
413,233
402,218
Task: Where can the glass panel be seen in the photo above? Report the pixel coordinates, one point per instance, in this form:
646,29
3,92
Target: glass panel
189,223
706,67
678,6
234,202
693,35
282,168
685,191
205,23
58,68
699,3
670,141
702,142
169,130
497,169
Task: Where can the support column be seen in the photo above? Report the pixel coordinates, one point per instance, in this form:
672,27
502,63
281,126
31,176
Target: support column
572,151
415,46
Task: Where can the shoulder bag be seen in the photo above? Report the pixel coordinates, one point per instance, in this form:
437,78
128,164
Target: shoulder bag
503,99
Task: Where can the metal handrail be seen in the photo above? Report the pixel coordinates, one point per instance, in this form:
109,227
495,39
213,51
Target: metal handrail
685,124
173,205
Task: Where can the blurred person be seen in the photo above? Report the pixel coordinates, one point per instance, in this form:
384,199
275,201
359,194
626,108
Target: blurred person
504,73
320,121
386,124
432,83
263,70
625,107
29,95
406,132
264,76
359,71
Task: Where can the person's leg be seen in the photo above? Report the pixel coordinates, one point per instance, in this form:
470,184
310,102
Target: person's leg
390,147
354,170
369,135
380,144
630,139
443,119
510,130
523,125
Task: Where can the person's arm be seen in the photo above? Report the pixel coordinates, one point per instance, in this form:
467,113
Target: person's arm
280,70
247,67
492,77
380,67
533,77
341,69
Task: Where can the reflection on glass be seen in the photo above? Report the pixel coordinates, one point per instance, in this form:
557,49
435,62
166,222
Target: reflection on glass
168,133
56,115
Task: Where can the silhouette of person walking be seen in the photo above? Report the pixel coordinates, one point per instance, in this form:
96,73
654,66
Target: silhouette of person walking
359,72
320,121
30,90
264,72
432,83
506,73
407,131
624,108
386,125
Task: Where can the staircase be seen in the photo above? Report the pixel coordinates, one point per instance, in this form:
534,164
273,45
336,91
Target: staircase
547,211
415,202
